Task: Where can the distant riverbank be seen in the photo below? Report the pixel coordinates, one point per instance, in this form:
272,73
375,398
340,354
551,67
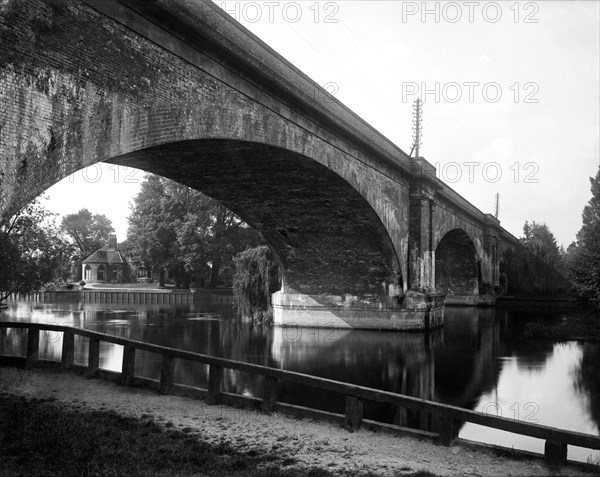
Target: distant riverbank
128,295
581,326
585,327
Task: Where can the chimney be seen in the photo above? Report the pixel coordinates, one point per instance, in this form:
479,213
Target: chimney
112,241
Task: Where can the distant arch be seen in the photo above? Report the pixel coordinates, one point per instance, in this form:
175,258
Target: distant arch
457,268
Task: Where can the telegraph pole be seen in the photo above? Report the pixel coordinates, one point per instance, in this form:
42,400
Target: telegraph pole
417,125
497,207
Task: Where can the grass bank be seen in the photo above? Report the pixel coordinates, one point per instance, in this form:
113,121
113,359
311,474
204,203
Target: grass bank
40,437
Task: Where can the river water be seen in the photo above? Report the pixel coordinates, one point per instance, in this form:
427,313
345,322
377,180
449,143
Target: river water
476,361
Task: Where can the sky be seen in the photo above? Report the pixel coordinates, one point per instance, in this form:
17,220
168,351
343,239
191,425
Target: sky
510,95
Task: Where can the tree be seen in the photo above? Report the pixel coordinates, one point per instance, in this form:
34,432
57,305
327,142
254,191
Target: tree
535,265
540,241
174,227
256,278
88,233
227,236
585,253
32,251
151,234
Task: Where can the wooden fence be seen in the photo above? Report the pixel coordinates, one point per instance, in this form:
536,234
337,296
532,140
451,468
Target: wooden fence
449,417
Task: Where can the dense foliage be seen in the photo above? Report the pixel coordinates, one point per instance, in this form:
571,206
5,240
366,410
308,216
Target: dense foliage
530,275
88,232
173,227
541,243
535,266
33,253
256,278
584,255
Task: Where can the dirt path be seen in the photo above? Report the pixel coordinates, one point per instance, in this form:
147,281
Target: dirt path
311,443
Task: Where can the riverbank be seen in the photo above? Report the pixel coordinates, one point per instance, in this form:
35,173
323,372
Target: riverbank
128,295
181,436
583,327
150,287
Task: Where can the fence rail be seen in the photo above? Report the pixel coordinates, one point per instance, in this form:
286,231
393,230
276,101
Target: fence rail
556,440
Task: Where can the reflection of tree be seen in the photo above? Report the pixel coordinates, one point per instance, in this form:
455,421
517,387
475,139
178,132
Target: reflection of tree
531,354
50,346
12,341
587,378
214,331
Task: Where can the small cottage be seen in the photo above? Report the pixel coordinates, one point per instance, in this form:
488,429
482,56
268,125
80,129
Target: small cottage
107,264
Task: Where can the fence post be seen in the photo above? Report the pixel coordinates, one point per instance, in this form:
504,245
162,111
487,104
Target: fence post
354,413
166,373
269,394
93,357
556,453
446,432
128,367
33,346
215,375
68,350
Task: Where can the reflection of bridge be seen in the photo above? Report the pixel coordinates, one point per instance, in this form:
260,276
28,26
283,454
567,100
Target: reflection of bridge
362,232
455,365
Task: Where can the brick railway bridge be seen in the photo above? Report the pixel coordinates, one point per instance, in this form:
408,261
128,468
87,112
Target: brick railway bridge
365,235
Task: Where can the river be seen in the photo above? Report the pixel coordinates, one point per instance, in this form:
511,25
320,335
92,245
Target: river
476,361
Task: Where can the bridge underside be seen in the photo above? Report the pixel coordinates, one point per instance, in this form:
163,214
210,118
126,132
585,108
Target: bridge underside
339,266
327,238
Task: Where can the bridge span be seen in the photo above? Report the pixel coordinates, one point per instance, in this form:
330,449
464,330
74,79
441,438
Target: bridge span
365,235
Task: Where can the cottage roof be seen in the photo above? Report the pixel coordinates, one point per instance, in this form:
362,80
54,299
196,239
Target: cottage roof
107,254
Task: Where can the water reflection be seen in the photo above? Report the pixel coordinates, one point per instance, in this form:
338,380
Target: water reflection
397,362
476,361
586,379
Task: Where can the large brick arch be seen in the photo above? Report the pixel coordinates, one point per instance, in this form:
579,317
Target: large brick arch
327,236
79,88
